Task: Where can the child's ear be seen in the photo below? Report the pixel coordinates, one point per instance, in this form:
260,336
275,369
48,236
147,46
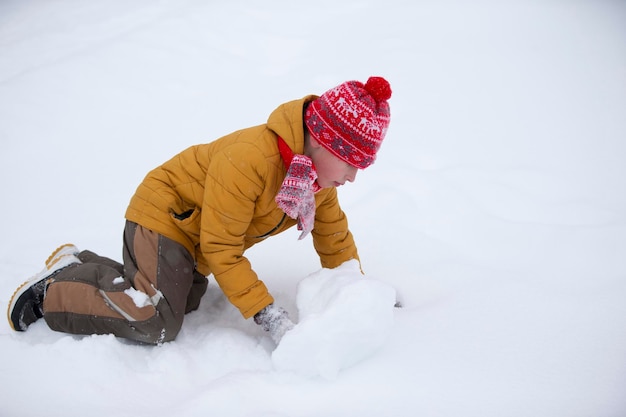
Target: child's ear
313,142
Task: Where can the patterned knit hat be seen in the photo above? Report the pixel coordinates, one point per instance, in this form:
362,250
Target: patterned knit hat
351,120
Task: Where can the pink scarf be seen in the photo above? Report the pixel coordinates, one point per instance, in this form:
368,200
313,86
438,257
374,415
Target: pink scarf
296,195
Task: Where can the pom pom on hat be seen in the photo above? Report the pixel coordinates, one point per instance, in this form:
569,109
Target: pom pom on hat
379,88
351,120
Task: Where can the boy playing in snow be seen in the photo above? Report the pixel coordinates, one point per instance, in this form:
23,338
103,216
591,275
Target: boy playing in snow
197,213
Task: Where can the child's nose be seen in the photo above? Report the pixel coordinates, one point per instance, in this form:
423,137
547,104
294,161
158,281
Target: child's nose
351,176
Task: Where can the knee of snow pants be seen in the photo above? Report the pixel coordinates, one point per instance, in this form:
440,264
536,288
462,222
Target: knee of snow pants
145,299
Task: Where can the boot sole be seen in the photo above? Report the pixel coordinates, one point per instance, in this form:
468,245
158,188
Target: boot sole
54,265
66,249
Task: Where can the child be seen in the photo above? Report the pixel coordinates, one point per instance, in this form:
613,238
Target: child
197,213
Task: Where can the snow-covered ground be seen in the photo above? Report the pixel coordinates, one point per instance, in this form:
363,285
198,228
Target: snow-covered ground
496,209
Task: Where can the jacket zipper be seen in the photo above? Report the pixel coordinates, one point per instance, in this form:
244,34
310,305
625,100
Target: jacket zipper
273,230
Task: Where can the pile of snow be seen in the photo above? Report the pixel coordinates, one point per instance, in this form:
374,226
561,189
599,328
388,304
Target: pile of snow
344,318
496,207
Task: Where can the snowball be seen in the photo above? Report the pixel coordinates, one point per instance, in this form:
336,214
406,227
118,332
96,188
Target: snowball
344,318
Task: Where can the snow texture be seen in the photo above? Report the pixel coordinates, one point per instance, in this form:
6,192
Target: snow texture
496,207
140,299
344,318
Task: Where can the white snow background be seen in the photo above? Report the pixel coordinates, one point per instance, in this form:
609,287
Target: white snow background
496,210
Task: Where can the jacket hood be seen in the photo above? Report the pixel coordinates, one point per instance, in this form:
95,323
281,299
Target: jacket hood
287,121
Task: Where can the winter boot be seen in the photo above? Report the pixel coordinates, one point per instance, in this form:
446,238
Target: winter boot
61,251
26,304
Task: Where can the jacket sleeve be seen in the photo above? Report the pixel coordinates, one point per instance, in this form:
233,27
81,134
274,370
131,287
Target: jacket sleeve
234,180
331,237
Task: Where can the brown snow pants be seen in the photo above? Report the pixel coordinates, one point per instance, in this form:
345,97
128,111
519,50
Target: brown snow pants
145,299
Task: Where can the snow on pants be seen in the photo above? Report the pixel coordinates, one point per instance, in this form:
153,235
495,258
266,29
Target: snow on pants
143,300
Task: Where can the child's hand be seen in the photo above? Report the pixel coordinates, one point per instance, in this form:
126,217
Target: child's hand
274,320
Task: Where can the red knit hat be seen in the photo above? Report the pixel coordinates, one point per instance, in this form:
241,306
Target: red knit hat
351,120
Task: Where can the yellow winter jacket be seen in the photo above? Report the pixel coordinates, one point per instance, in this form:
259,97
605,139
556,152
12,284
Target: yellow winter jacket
217,200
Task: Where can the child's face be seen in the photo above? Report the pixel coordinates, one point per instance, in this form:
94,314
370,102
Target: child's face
331,171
